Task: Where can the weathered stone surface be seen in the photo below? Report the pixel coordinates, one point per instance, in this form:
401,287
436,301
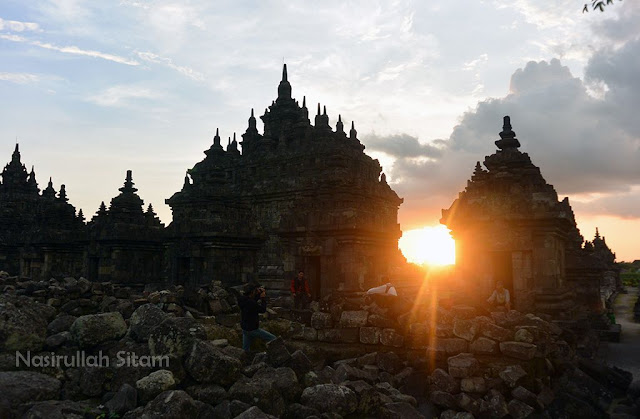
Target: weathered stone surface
466,329
300,363
175,336
347,335
519,410
320,320
367,359
399,410
277,353
512,374
62,323
284,380
23,323
155,383
93,329
172,404
441,380
23,386
463,312
496,404
208,364
484,346
496,332
523,335
473,385
254,412
354,318
463,365
518,350
545,397
297,410
54,409
376,320
525,396
143,320
125,399
260,392
370,335
346,372
451,346
208,393
389,362
443,399
390,337
330,398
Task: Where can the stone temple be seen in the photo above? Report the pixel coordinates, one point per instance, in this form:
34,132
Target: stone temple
296,196
509,226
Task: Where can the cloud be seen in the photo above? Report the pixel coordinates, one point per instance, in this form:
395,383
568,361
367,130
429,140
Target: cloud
20,78
121,95
17,26
402,146
186,71
583,144
70,50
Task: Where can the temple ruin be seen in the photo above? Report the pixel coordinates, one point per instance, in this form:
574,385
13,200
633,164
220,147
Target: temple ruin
509,226
298,196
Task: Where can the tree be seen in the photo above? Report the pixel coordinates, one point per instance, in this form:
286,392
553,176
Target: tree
597,4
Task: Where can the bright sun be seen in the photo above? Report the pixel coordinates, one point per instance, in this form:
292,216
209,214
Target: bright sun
428,246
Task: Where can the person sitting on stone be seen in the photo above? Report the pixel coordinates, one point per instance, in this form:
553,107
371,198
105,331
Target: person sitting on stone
253,302
500,297
300,291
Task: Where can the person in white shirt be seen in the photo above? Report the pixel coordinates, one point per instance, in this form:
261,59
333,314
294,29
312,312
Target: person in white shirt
500,297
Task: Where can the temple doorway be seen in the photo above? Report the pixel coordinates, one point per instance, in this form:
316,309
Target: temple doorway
503,270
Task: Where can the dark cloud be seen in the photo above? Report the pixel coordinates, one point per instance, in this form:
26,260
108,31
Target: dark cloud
583,144
403,146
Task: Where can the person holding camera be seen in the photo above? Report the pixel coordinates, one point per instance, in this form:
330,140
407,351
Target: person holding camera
252,303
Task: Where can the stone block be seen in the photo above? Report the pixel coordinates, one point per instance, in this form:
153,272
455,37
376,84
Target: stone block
463,365
354,318
519,350
443,381
320,320
512,374
463,312
496,332
523,335
465,329
484,346
473,385
376,320
454,346
350,335
443,399
519,410
390,337
370,335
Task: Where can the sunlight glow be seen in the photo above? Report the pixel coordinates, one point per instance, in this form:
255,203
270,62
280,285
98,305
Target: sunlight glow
428,246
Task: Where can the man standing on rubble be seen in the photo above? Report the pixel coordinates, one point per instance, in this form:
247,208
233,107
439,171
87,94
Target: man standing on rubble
300,291
252,303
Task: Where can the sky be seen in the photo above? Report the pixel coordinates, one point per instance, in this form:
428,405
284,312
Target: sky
91,89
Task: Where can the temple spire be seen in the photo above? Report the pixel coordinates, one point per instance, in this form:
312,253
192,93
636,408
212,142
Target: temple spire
187,181
216,138
597,233
252,122
508,138
340,125
128,184
352,132
62,195
284,88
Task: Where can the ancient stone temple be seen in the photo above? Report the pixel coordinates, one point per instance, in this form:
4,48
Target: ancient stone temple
126,242
509,226
299,196
40,234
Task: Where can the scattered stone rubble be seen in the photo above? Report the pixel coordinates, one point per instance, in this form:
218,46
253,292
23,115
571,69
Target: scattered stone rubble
352,360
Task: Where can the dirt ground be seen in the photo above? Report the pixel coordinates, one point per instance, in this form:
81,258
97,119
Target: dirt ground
626,354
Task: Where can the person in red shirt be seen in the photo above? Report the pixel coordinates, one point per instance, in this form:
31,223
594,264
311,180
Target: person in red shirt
300,291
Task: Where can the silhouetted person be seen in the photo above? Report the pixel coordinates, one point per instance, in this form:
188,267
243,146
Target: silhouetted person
300,291
252,303
500,297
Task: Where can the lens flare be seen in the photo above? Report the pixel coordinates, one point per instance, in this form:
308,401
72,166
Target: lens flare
431,246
